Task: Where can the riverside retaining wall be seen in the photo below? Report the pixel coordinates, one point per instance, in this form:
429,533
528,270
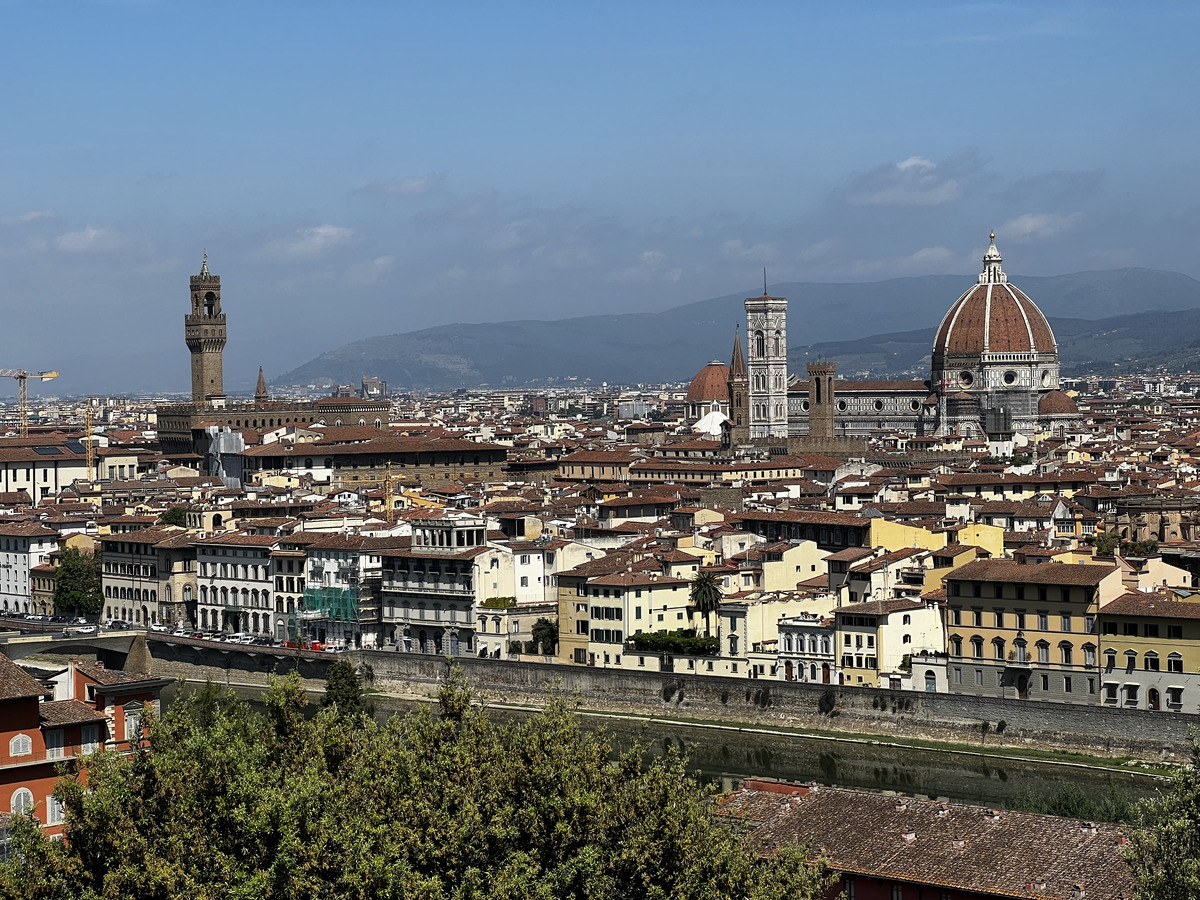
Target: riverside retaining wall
742,700
759,701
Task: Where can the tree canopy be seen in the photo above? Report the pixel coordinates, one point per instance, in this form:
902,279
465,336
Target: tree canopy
545,635
77,582
1164,852
705,597
343,690
176,515
226,802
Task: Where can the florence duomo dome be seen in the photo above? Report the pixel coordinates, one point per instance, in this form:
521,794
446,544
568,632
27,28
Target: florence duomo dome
994,357
993,371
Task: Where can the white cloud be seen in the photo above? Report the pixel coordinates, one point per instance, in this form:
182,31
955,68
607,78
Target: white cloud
926,261
407,187
371,271
91,240
821,251
308,242
759,253
514,234
651,266
32,216
915,181
1033,226
563,257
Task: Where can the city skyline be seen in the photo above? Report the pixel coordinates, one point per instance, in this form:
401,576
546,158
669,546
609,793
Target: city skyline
379,170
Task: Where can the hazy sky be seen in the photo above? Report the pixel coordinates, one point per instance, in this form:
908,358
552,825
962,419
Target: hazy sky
366,168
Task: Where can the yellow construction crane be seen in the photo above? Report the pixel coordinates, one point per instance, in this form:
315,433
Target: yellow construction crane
389,489
23,391
89,445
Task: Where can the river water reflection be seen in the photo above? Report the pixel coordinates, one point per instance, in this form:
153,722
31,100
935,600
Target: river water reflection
727,756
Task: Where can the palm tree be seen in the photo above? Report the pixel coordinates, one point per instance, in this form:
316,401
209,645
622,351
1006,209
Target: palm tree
706,597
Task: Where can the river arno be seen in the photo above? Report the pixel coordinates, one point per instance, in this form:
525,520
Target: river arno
728,755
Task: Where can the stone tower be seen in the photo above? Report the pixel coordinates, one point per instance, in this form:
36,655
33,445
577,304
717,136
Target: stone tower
766,338
204,331
260,390
739,393
820,399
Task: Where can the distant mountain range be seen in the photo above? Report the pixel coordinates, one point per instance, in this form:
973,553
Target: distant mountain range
1131,317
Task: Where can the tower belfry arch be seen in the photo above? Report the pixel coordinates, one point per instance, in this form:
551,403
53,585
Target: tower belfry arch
205,335
766,339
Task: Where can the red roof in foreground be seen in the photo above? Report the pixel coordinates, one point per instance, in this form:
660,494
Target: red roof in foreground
969,848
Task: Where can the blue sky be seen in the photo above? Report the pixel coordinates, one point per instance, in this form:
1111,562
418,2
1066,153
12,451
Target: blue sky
366,168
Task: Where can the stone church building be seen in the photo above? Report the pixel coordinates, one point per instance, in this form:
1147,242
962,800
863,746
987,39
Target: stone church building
994,371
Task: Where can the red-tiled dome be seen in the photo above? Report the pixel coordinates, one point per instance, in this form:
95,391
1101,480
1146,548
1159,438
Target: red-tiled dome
711,383
993,317
1056,403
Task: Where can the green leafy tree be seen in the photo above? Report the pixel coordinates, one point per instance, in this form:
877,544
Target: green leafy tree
1106,543
545,635
342,689
176,515
226,802
705,597
78,585
1164,852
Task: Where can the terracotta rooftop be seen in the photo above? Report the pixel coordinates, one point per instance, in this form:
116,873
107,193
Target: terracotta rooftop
968,848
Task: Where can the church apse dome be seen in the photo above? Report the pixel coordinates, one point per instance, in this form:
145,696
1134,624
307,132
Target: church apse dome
995,344
709,390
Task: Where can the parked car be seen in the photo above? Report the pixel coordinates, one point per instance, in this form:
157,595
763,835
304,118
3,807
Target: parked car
85,629
162,628
116,625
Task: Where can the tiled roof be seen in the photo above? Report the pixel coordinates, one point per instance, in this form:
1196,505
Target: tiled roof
1013,572
1158,604
67,712
16,683
968,848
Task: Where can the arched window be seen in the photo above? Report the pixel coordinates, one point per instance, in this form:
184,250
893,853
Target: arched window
1021,651
817,384
907,639
977,647
907,619
22,802
1065,650
778,337
760,344
20,745
956,646
1043,649
998,648
1150,662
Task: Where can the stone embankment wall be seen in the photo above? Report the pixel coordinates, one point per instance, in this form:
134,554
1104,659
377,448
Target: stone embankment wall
758,702
201,661
771,703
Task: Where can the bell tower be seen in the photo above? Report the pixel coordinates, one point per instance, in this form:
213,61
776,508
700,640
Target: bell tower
204,332
766,337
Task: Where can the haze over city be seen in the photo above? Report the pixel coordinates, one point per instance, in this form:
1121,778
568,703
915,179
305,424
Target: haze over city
378,168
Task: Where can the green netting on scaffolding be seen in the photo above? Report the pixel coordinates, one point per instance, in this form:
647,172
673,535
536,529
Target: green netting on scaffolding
338,604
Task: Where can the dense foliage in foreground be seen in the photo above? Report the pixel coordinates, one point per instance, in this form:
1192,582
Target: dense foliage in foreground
230,803
1165,851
